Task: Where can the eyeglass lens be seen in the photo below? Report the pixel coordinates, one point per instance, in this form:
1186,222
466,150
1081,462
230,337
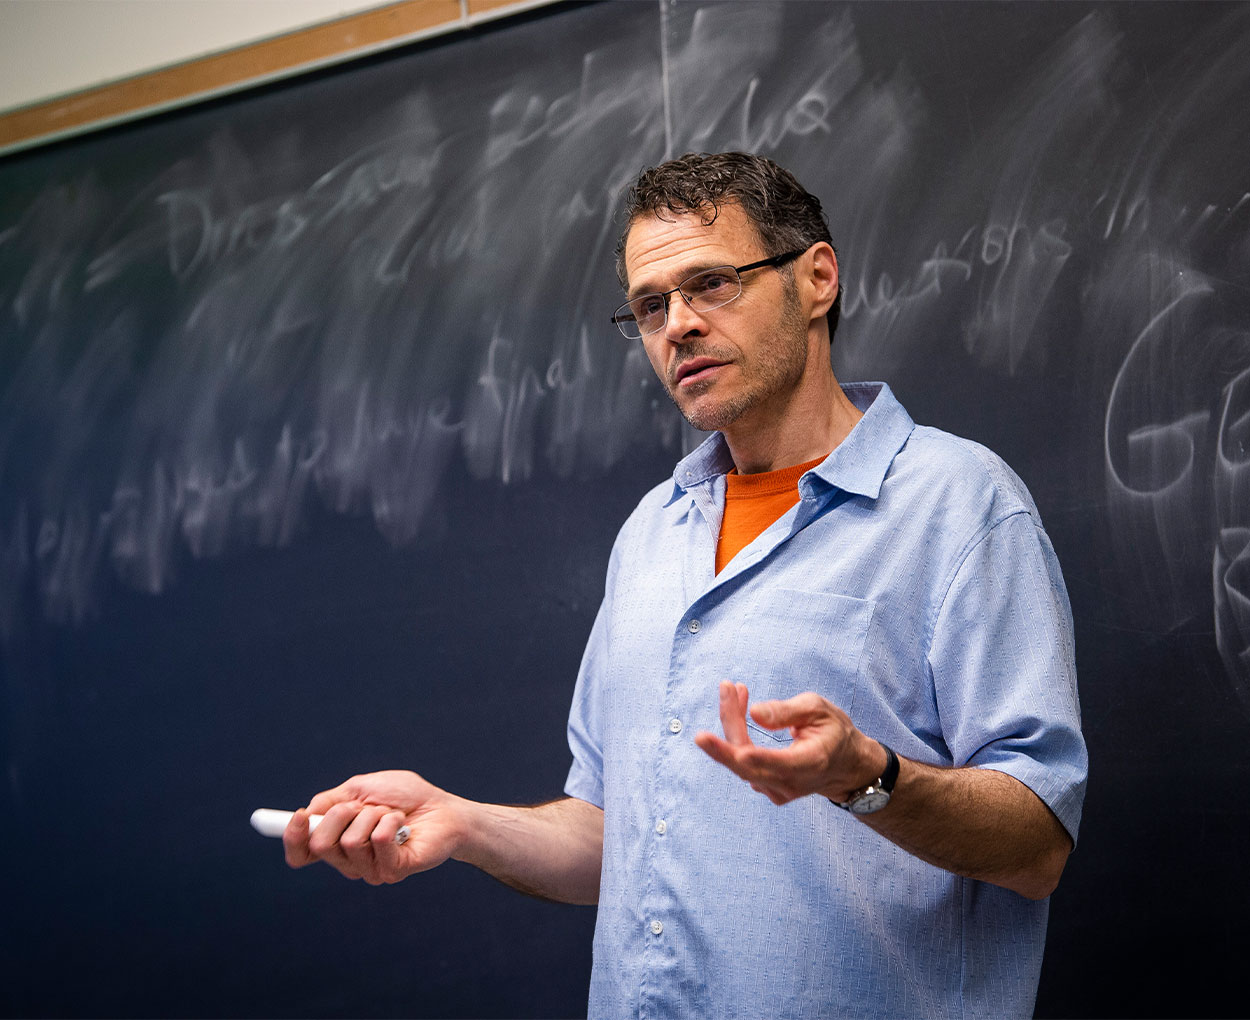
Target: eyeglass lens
704,291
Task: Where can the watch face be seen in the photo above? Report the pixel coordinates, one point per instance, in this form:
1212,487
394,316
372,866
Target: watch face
869,801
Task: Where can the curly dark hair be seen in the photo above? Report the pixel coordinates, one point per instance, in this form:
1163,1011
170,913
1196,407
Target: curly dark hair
785,215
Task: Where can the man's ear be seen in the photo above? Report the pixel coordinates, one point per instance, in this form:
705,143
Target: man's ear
823,278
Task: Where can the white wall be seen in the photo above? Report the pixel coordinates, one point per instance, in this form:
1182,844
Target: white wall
49,48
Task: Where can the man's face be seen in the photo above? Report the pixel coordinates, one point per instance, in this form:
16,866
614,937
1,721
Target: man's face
734,365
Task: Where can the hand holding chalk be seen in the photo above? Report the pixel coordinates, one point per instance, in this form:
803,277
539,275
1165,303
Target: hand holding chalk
372,807
272,822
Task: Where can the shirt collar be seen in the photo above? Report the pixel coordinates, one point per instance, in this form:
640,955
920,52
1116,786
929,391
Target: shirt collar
858,465
709,459
861,461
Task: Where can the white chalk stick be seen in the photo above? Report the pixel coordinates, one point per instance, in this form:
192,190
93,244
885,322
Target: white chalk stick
272,822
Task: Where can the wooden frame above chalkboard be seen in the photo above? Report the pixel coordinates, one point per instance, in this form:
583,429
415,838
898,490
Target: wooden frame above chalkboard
268,60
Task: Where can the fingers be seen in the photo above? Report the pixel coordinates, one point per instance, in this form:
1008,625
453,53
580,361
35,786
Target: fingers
356,839
369,844
818,752
717,748
797,711
342,839
733,712
779,774
324,801
295,840
733,750
733,721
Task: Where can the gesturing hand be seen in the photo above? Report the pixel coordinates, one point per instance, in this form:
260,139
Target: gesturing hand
828,755
357,835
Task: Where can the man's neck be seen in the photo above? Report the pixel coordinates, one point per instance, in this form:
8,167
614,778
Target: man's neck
816,420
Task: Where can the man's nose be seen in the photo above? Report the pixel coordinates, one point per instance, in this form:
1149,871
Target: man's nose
683,321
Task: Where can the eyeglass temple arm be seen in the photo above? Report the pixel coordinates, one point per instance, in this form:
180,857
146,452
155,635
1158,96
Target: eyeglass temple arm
776,260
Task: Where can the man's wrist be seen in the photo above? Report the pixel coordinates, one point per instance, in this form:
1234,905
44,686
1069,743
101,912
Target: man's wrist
874,794
470,840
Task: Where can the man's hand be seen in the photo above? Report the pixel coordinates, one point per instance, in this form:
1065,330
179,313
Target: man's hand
976,822
828,755
553,851
357,835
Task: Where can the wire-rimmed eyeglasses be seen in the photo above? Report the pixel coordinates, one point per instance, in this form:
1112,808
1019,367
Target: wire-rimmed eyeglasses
712,288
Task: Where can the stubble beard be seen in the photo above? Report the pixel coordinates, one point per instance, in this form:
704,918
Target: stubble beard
778,367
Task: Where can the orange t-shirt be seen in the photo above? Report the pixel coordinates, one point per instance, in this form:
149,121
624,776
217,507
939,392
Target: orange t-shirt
752,503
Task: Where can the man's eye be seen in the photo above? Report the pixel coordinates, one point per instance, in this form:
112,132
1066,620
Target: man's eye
711,283
647,306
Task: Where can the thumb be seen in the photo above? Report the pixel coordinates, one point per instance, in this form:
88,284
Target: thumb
775,715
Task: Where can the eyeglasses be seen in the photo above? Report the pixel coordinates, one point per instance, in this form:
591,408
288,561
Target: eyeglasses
712,288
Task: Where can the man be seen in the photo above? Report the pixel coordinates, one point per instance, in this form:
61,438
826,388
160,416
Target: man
886,593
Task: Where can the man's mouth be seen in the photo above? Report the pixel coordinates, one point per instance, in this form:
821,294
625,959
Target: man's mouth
694,369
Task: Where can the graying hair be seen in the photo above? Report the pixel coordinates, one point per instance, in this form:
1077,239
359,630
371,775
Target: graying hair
784,214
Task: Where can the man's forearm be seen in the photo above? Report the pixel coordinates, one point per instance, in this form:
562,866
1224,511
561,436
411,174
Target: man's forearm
974,822
553,851
978,823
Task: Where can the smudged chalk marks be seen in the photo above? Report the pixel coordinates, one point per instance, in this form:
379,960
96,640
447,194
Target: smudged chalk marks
411,275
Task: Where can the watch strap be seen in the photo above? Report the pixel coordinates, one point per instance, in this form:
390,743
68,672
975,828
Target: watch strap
890,776
885,784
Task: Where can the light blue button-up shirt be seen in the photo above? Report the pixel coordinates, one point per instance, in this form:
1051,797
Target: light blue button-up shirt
914,587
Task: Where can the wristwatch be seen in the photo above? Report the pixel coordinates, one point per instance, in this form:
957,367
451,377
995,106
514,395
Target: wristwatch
874,796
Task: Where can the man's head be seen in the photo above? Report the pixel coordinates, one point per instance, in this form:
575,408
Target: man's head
782,212
734,328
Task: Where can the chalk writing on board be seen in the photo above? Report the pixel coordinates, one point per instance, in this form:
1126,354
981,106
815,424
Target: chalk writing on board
1231,568
260,322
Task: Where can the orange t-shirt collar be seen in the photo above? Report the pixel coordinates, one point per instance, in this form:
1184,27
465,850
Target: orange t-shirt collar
752,503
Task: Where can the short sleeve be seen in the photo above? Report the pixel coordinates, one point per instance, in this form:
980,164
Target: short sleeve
1004,669
585,729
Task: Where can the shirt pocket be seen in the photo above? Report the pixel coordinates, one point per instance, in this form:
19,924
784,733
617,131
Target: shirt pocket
792,641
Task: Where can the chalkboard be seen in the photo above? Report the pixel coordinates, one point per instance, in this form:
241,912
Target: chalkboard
314,438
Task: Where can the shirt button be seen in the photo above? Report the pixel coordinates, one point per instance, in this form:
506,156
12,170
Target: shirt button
661,827
656,927
693,626
674,726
